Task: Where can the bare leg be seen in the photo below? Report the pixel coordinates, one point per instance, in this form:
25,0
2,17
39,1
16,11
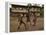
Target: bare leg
24,25
19,25
34,22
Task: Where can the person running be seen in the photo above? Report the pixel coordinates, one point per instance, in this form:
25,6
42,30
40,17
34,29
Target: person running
21,21
34,19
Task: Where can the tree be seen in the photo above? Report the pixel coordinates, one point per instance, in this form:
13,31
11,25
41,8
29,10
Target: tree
28,15
42,11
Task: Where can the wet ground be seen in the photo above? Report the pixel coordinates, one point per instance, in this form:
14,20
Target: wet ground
29,26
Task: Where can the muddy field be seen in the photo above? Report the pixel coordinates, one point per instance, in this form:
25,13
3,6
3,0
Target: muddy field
29,26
